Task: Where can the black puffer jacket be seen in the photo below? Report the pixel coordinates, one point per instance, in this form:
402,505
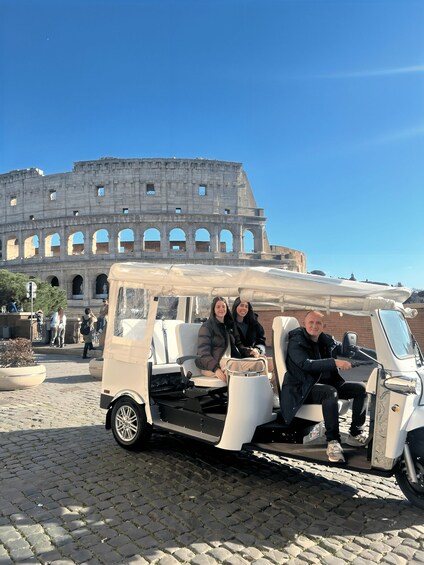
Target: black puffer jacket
254,337
213,340
307,363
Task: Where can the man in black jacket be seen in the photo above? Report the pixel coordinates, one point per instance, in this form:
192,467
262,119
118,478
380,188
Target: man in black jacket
313,378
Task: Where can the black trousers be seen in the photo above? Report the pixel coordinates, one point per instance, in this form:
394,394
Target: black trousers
328,396
87,346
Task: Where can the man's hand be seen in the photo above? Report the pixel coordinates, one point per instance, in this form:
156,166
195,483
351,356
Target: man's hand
343,365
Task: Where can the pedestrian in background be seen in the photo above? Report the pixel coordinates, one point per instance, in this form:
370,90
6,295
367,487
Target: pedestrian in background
39,315
87,330
102,319
58,326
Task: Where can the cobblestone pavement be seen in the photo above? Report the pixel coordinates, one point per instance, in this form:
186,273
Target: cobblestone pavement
69,494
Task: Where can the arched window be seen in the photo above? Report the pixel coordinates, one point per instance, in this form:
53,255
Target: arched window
102,286
12,248
31,246
248,242
54,281
126,241
202,241
177,240
78,288
100,242
226,241
52,245
76,244
151,240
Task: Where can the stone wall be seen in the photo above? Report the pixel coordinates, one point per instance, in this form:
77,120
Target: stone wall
69,228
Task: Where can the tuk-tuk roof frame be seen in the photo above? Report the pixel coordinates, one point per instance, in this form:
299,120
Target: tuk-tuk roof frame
285,289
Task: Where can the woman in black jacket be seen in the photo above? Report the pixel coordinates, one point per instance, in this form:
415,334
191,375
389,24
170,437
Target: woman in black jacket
252,335
250,330
218,341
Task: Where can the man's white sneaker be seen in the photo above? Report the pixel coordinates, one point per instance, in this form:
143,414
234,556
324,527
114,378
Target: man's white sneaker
360,440
335,452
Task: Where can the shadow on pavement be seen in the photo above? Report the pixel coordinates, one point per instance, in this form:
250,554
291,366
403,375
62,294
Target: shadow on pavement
94,500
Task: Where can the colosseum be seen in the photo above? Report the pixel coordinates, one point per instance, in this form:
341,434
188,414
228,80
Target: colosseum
68,228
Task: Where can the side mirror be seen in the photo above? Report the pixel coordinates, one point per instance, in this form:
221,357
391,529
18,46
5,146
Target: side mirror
349,344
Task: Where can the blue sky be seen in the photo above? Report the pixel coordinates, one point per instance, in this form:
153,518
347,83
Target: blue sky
321,100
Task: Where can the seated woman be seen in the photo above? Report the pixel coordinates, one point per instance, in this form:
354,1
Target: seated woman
218,341
252,335
251,332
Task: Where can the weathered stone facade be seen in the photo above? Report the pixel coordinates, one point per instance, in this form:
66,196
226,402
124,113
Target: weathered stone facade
68,228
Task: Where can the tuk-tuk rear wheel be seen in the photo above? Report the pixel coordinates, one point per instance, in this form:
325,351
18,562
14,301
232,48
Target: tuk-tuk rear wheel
414,492
129,424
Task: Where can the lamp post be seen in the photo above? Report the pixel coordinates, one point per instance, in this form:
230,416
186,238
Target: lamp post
31,288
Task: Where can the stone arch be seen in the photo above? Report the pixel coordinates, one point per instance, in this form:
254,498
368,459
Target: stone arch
53,280
126,241
226,241
78,287
31,246
100,242
76,243
151,240
248,241
202,241
52,245
177,240
12,248
102,286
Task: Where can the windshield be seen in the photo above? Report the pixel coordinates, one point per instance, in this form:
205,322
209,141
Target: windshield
398,333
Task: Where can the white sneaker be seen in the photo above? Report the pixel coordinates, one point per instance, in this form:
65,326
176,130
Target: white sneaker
335,452
360,440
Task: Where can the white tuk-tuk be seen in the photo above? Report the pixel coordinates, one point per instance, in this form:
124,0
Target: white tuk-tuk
150,380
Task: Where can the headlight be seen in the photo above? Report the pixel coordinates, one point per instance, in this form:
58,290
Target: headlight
404,385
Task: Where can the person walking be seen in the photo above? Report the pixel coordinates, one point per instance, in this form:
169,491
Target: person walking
87,329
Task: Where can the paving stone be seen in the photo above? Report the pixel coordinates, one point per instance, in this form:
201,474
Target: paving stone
203,560
237,560
70,494
394,560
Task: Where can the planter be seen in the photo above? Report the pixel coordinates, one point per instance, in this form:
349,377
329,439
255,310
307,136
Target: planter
13,378
96,368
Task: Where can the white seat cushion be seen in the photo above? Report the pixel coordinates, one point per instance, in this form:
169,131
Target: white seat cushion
186,338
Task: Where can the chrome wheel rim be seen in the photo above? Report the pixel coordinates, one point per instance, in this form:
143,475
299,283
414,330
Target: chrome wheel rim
126,423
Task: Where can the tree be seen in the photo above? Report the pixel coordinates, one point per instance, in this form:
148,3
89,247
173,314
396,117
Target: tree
13,287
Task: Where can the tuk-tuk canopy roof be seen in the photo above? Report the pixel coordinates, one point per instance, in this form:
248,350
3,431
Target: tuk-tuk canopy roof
286,289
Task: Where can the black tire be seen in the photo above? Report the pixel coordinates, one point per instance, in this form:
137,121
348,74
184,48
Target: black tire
129,424
414,492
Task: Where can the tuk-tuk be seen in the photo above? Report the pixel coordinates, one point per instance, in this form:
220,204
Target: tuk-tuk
150,380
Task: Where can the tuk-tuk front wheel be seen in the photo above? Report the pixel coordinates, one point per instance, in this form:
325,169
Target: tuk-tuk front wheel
414,492
129,424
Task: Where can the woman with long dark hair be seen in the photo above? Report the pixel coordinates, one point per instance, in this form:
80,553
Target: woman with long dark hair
250,330
252,335
218,341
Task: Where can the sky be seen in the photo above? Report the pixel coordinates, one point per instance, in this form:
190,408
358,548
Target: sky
321,100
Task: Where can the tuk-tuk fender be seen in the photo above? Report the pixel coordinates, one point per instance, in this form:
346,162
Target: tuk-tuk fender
415,441
132,394
416,420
